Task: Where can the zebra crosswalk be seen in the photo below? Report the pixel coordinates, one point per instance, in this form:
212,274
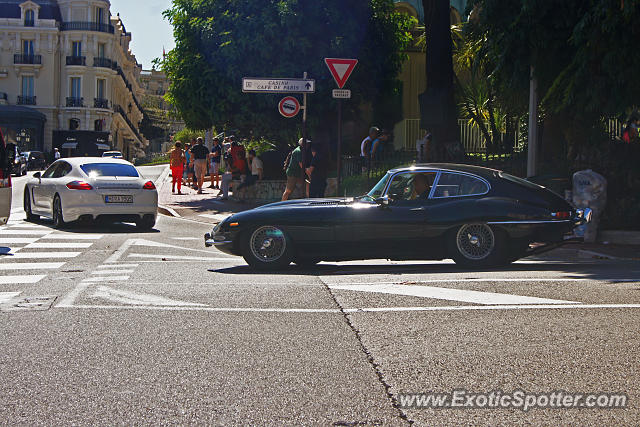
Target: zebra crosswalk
30,252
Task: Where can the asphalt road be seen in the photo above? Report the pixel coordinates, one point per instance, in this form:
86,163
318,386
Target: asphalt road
150,328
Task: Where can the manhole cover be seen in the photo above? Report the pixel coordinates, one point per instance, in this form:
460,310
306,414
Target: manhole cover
30,304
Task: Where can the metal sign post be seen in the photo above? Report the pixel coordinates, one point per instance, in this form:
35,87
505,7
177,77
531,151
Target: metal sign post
341,70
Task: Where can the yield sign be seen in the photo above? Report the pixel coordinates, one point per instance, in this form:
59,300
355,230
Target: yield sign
341,69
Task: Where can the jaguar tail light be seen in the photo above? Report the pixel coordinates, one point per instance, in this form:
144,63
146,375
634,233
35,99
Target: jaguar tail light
149,185
79,185
561,215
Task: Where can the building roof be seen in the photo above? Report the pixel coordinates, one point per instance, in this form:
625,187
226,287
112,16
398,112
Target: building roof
49,9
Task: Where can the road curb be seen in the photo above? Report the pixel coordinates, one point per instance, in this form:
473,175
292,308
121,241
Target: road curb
167,211
160,181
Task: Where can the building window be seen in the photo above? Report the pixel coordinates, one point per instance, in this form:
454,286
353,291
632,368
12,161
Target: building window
74,124
76,87
27,48
101,50
76,49
98,125
29,18
100,88
27,86
99,15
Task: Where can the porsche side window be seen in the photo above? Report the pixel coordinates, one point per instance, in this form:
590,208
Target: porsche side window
62,170
50,171
412,186
454,185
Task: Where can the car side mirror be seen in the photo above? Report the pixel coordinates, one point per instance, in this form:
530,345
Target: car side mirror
383,201
37,175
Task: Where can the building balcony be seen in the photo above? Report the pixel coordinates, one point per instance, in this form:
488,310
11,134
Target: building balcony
26,100
27,59
87,26
75,102
103,63
100,103
76,60
29,23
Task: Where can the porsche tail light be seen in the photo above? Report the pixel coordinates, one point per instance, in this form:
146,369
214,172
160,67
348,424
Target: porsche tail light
561,215
79,185
5,179
149,185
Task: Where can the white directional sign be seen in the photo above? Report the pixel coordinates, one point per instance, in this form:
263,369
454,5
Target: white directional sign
275,85
342,94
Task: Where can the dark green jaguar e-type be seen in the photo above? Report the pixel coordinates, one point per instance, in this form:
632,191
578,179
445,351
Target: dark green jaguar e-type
479,217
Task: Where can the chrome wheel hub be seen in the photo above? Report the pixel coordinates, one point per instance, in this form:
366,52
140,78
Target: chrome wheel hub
268,244
475,241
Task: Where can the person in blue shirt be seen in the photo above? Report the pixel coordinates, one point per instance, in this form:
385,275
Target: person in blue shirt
377,148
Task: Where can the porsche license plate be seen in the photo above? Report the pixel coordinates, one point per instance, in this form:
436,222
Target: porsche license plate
118,199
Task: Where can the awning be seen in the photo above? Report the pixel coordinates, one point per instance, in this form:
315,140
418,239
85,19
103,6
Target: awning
72,145
104,147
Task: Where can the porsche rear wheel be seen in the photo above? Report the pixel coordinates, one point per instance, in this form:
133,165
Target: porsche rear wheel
58,219
267,247
477,245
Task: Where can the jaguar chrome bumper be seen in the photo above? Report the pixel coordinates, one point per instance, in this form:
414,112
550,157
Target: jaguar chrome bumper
210,240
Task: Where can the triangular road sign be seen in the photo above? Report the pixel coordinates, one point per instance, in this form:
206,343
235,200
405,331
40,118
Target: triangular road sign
341,69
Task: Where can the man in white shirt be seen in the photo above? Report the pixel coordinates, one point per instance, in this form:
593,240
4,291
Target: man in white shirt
56,154
365,147
256,170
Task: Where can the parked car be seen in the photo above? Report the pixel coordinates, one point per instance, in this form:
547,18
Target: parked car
16,160
113,154
91,188
479,217
5,183
36,160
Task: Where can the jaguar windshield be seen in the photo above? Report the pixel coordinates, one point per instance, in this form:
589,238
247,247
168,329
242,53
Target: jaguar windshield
378,189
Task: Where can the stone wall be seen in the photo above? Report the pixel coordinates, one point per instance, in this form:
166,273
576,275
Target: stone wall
271,190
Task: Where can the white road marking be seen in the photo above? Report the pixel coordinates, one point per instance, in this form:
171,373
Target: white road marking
73,236
31,266
132,298
98,279
40,245
119,266
115,257
113,271
187,239
70,298
12,232
7,296
181,258
39,255
28,225
467,280
26,280
17,210
359,310
461,295
16,240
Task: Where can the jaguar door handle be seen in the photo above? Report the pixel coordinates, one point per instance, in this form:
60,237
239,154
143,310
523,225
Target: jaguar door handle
418,209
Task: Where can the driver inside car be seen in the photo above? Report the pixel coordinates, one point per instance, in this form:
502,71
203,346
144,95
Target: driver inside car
421,188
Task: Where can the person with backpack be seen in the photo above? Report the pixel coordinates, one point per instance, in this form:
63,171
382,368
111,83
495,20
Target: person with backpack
293,170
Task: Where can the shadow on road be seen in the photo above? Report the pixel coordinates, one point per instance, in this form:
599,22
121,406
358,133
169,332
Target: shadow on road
619,271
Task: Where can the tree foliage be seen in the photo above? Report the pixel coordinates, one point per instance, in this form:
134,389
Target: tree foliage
218,42
582,51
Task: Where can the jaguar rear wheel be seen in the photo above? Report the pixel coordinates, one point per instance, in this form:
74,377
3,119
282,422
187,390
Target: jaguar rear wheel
477,245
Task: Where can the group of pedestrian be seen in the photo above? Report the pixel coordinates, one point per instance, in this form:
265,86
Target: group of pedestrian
189,165
373,146
307,172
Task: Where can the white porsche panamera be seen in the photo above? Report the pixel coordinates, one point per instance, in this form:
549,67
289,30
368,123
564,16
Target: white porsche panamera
91,188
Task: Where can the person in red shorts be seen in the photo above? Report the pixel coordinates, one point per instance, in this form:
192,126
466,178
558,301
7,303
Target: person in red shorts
177,159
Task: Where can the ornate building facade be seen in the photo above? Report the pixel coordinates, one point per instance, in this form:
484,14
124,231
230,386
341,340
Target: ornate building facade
67,64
